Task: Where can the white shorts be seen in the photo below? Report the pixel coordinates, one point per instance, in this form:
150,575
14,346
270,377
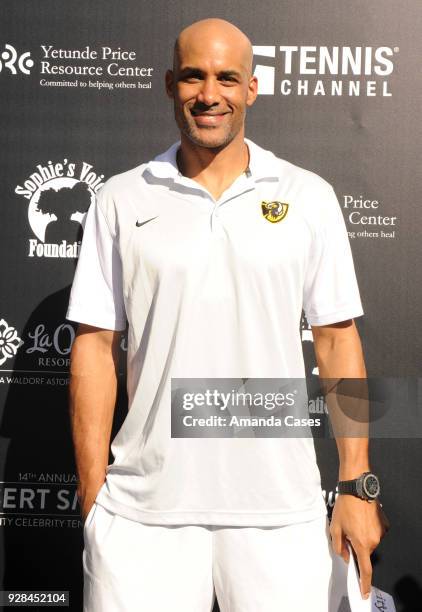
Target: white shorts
134,567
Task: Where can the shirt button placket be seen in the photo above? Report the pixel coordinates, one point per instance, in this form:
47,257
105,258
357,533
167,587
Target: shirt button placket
215,220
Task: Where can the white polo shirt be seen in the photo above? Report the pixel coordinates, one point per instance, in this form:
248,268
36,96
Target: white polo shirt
211,288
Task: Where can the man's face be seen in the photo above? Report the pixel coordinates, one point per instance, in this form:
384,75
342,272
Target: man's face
211,87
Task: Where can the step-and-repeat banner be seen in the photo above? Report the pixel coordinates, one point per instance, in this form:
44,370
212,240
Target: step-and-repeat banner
82,98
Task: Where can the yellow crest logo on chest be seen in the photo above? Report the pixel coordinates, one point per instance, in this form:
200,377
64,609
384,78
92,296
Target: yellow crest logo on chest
274,211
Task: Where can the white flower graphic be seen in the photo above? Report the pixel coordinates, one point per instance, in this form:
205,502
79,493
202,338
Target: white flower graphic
9,341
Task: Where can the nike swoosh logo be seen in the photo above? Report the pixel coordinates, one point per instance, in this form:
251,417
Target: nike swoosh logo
139,223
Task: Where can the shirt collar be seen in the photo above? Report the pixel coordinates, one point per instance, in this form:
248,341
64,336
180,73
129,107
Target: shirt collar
263,164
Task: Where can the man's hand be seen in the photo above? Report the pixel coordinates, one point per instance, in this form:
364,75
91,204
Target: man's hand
363,524
87,499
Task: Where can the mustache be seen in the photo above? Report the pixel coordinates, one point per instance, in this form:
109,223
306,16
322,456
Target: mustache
209,110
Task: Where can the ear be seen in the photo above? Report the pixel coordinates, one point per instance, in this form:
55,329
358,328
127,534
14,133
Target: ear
252,90
169,78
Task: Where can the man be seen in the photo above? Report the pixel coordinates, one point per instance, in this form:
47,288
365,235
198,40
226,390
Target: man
210,251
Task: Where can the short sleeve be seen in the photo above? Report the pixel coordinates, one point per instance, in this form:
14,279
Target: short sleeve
331,292
96,296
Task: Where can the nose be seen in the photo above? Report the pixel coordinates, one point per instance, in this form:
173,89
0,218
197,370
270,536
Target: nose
209,93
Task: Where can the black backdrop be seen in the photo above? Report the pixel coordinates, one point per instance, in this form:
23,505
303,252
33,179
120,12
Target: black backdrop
70,122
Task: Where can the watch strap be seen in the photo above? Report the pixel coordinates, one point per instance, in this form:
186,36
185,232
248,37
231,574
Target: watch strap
347,487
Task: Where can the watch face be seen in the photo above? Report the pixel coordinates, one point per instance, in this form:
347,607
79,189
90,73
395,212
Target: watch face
371,485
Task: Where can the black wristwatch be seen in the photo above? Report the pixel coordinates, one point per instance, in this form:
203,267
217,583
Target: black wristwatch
367,486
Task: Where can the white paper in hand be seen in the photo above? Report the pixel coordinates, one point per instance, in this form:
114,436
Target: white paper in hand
378,600
357,604
345,594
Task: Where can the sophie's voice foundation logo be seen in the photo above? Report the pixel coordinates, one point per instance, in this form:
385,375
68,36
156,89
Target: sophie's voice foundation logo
59,196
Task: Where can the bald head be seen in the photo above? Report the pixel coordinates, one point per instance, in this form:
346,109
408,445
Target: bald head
214,34
211,83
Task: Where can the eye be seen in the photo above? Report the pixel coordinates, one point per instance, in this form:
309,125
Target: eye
228,79
191,77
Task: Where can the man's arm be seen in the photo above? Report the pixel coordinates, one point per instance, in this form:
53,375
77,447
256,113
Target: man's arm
92,394
339,355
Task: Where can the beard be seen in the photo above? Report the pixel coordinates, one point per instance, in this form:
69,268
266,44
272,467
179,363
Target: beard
209,137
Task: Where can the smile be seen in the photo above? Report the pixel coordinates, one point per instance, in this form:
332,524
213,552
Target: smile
208,118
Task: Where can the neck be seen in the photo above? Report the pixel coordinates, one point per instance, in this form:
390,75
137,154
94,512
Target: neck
217,168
